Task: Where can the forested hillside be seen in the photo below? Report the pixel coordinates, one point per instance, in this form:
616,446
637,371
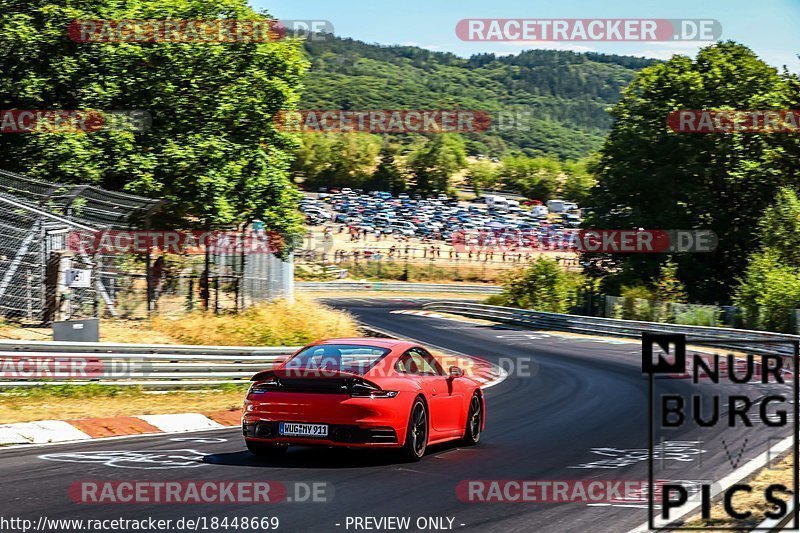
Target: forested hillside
566,93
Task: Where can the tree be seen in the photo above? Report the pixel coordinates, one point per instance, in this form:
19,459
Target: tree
667,287
435,162
654,178
481,175
668,290
770,287
388,176
768,292
212,149
543,286
314,155
579,180
779,228
352,159
535,178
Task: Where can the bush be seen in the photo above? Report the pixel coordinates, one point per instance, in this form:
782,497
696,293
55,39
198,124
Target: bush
636,291
768,292
495,299
635,304
543,286
697,315
634,309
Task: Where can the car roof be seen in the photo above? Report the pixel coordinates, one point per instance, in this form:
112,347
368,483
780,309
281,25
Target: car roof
380,342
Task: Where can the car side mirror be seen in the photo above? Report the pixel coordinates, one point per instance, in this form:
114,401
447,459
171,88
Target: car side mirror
456,372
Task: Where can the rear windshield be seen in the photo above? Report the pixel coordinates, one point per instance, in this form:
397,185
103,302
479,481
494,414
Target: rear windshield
354,358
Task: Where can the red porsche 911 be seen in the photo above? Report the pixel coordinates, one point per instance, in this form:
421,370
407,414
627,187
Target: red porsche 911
362,393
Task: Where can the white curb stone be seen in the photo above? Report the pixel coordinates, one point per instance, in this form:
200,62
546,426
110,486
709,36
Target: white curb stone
180,422
40,432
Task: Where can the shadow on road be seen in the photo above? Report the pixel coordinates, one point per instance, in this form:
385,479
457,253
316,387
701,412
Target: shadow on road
310,457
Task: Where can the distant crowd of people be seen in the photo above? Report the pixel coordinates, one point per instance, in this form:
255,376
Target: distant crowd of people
407,252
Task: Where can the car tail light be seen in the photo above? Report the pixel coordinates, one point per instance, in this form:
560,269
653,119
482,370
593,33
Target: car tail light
374,394
362,389
264,386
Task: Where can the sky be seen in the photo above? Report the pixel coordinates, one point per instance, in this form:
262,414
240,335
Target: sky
769,27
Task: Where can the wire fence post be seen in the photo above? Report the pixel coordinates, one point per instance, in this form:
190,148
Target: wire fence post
203,282
216,294
190,296
148,280
241,284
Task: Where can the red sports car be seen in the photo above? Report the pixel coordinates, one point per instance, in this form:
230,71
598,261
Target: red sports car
362,393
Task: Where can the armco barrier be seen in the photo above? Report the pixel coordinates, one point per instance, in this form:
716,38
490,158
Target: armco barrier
727,338
395,286
147,365
29,363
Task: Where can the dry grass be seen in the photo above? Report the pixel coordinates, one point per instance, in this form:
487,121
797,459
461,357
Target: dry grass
12,332
133,331
49,405
126,331
781,473
275,324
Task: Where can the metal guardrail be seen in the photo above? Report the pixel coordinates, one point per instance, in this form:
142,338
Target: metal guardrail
727,338
32,363
398,286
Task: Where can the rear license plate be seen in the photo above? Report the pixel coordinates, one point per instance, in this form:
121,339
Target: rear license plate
293,429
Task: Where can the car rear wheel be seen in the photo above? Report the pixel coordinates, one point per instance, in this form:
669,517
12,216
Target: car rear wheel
472,433
417,433
265,450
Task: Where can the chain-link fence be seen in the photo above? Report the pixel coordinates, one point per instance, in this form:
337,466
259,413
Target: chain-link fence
56,264
198,279
35,263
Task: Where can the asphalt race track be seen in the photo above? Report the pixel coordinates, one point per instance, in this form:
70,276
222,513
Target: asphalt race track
580,413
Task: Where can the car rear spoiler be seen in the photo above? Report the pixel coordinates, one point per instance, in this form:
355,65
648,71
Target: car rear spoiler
311,373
